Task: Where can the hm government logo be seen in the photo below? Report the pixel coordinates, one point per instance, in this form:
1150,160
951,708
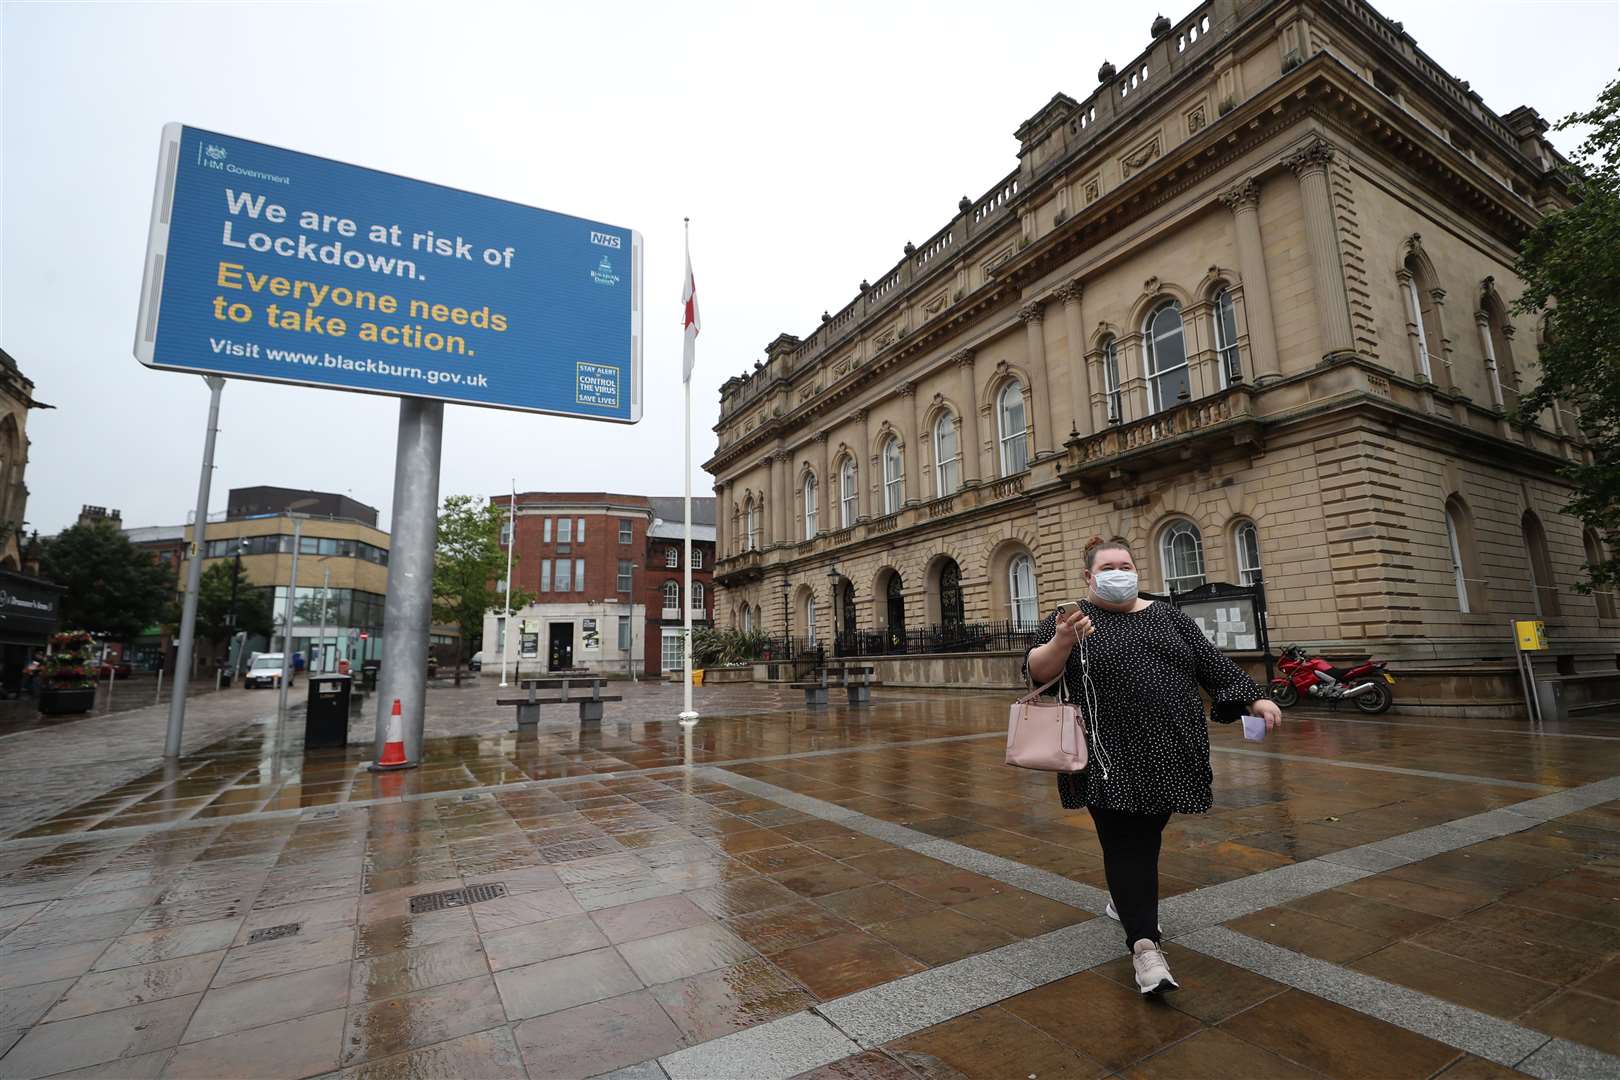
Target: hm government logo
607,240
603,274
215,153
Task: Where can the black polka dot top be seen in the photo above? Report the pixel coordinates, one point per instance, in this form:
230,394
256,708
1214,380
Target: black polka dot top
1147,732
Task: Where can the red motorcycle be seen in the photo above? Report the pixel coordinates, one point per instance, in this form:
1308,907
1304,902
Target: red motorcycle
1299,674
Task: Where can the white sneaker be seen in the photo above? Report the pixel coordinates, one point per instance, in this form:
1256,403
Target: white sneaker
1152,970
1112,914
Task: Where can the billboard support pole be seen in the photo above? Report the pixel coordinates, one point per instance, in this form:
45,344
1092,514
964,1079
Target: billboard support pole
408,608
188,614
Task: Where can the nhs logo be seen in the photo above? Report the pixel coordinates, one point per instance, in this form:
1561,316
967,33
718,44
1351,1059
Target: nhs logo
607,240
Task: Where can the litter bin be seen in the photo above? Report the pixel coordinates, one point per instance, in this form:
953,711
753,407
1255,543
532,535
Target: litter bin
368,673
327,721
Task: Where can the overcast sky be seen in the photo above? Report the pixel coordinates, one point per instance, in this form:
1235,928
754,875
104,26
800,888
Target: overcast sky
807,142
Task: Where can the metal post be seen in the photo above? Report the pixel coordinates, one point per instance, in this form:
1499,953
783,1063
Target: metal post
511,542
408,610
630,653
326,580
188,611
286,631
688,714
112,677
159,696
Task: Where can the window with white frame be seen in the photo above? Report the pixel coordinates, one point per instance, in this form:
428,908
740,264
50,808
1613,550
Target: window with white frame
579,575
697,596
624,633
1458,574
810,621
545,575
547,525
748,619
1246,537
1021,591
1110,366
672,557
673,654
625,582
1166,357
697,558
751,516
810,506
1225,319
565,532
1411,283
846,493
564,577
506,532
579,531
947,456
894,477
1181,548
672,596
1014,430
626,534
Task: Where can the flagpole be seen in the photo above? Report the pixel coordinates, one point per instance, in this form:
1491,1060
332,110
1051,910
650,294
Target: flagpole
689,715
511,542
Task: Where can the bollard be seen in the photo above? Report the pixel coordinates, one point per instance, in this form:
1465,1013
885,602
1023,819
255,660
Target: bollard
112,677
219,678
159,696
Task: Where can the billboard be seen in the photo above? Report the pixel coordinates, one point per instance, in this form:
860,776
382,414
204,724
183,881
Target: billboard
264,263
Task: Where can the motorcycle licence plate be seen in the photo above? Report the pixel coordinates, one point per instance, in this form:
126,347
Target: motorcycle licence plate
1389,678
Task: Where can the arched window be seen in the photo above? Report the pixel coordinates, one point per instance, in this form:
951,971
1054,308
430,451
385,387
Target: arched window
810,506
950,594
1181,548
672,596
1464,565
1021,591
1542,582
1110,366
1420,313
1498,345
1166,357
947,456
847,493
697,596
747,619
1594,559
810,620
894,477
846,594
1246,537
1014,431
672,557
1225,319
751,511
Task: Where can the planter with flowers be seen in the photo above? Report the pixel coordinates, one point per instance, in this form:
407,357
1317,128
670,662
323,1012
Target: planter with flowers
68,680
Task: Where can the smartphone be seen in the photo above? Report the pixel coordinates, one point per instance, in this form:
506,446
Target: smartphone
1067,608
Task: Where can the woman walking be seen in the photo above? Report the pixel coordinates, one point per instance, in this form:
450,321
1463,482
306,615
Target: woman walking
1135,667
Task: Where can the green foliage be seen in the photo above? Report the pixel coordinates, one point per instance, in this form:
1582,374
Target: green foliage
466,567
68,664
712,646
1570,265
113,587
253,610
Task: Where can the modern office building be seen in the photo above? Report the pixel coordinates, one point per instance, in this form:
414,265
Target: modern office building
1247,303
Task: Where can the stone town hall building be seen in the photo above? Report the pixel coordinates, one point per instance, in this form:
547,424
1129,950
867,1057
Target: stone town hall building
1248,305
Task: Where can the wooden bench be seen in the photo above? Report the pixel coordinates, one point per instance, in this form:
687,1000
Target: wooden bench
528,708
855,679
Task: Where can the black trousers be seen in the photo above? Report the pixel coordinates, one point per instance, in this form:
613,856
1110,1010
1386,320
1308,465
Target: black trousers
1130,844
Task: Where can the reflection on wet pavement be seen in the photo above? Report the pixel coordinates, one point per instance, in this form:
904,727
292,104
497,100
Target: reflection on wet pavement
256,904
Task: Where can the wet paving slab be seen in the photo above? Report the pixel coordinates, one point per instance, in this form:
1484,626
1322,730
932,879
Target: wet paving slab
584,901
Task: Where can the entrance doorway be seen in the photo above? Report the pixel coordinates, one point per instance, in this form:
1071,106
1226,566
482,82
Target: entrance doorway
562,646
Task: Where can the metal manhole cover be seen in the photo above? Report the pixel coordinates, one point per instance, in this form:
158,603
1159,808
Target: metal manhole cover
271,933
454,898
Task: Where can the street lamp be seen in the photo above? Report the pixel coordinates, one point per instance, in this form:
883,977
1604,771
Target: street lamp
630,652
236,577
787,628
832,600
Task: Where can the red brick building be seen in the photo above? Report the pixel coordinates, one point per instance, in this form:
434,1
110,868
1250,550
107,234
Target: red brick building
664,579
586,560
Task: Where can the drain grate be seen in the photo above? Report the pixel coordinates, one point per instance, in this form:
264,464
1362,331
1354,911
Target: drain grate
454,898
271,933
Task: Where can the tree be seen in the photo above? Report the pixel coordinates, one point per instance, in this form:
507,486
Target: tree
113,587
253,609
467,565
1570,265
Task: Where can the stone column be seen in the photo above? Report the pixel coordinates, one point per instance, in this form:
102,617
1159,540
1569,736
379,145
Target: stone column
969,394
1033,314
1244,201
721,533
779,497
1327,272
914,439
826,520
1074,324
864,465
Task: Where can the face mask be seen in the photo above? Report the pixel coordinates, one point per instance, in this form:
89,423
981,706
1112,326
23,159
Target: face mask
1114,586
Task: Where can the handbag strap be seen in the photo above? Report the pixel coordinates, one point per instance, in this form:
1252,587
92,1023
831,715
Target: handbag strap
1035,693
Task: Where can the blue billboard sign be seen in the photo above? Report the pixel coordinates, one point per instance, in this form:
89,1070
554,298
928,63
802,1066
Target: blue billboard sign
265,263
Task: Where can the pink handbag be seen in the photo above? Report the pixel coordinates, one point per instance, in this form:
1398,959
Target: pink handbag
1046,736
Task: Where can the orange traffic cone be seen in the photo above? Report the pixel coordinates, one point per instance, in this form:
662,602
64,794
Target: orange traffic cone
393,755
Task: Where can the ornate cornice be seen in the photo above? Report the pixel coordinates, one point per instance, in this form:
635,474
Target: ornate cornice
1034,311
1069,292
962,357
